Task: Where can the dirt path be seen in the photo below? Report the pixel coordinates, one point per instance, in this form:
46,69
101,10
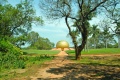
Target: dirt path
61,68
59,61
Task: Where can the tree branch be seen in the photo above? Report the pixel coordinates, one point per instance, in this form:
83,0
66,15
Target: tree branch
80,6
73,18
67,24
95,7
70,32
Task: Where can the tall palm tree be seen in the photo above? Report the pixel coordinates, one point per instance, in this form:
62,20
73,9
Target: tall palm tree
95,32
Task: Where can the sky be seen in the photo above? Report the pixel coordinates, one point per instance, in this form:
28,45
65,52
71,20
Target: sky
54,31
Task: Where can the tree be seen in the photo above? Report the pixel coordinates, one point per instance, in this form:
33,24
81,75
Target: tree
37,42
95,31
105,34
17,20
18,41
69,9
15,23
113,13
32,37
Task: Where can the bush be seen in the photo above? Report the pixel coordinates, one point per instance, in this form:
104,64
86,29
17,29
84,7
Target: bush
10,56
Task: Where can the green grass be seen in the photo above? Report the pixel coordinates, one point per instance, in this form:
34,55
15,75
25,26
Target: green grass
34,59
33,51
33,63
98,51
96,60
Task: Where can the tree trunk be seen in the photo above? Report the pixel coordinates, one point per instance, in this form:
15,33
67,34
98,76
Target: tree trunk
84,41
86,48
118,40
105,43
87,45
94,44
77,54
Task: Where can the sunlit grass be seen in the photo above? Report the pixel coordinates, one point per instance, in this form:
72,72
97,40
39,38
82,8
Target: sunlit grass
33,63
33,51
97,51
34,59
102,51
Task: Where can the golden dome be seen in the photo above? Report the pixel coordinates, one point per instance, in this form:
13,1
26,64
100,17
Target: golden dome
62,44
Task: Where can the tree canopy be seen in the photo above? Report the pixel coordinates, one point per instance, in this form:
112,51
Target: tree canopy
37,42
74,11
17,20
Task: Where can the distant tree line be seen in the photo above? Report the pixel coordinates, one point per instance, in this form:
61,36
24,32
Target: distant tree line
37,42
101,37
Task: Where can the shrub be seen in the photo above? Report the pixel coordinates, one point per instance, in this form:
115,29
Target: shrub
10,56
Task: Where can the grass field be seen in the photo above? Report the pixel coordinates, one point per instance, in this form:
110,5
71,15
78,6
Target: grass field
33,60
98,51
107,60
100,60
48,52
36,58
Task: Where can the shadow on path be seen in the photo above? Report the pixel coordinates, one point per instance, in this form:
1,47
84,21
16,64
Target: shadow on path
77,71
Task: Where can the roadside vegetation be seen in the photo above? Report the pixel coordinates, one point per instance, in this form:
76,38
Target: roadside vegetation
26,64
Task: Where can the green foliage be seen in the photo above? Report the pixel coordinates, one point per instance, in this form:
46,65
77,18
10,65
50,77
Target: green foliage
6,46
99,38
16,21
40,58
18,41
27,61
37,42
10,56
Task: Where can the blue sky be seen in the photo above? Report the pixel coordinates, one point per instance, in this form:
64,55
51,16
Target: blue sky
54,31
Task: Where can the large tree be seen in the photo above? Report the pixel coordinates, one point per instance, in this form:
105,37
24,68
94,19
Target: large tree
69,9
17,20
113,12
105,33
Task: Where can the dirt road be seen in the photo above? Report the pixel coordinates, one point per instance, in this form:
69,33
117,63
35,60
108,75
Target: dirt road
62,68
46,73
